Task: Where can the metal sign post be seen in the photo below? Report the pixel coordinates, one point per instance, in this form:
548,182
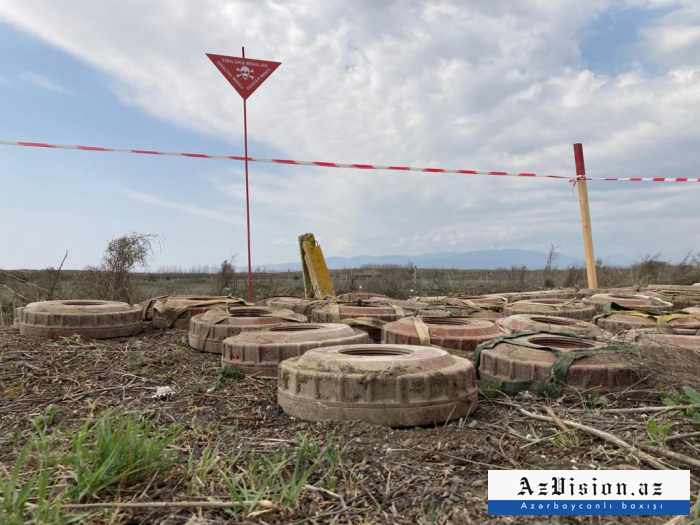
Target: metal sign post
245,75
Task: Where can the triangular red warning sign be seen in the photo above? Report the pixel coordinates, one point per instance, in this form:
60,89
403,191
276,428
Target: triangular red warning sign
244,74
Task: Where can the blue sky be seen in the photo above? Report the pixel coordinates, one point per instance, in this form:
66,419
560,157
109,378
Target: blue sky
482,86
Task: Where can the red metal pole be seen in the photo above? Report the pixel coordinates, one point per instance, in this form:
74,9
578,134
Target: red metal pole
247,201
247,195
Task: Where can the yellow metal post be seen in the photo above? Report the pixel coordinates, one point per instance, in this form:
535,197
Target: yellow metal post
317,279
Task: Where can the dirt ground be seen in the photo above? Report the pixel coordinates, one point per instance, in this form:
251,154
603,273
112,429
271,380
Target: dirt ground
382,475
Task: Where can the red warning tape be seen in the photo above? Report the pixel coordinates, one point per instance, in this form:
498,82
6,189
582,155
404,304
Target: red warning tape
351,166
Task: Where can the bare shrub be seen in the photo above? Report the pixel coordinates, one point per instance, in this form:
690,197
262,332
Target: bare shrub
112,279
549,280
662,364
226,278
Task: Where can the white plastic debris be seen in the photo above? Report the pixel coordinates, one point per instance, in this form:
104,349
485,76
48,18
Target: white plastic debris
163,393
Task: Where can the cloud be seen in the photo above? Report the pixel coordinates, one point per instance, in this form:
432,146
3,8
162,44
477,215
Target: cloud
42,82
480,85
189,209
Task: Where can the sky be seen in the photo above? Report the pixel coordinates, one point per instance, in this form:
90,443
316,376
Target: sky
485,84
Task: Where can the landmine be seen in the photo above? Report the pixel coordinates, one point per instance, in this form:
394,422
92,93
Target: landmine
571,309
367,317
439,310
261,352
684,323
517,324
353,297
18,317
296,304
650,339
208,330
90,319
553,363
556,293
635,302
391,385
682,296
455,334
176,310
491,302
587,292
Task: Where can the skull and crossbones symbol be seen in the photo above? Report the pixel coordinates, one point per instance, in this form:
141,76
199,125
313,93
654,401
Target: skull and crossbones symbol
245,72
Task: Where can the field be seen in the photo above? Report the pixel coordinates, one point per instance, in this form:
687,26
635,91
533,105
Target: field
220,449
85,437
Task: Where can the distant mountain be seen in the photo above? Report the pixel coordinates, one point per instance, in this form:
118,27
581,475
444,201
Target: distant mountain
479,260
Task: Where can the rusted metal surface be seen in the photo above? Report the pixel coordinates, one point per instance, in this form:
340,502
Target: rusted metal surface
571,308
261,352
391,385
208,337
456,333
516,324
635,302
86,318
518,365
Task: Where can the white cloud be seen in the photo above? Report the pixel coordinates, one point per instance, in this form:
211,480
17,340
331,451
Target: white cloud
189,209
479,85
42,82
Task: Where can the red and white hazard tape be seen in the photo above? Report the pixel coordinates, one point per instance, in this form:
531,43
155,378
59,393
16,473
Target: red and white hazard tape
351,166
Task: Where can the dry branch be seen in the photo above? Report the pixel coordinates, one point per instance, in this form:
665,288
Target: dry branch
610,438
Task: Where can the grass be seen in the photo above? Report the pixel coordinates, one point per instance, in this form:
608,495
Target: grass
280,475
229,374
117,450
114,454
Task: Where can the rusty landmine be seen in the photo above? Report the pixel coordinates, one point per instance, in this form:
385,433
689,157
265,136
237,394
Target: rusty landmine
456,333
682,296
390,385
196,305
571,309
409,307
693,310
296,304
492,302
516,324
587,292
636,302
261,352
207,337
522,367
557,293
327,314
650,339
458,311
89,319
18,317
617,323
353,297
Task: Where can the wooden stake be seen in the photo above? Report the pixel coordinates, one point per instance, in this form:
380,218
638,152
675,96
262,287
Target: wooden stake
585,217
